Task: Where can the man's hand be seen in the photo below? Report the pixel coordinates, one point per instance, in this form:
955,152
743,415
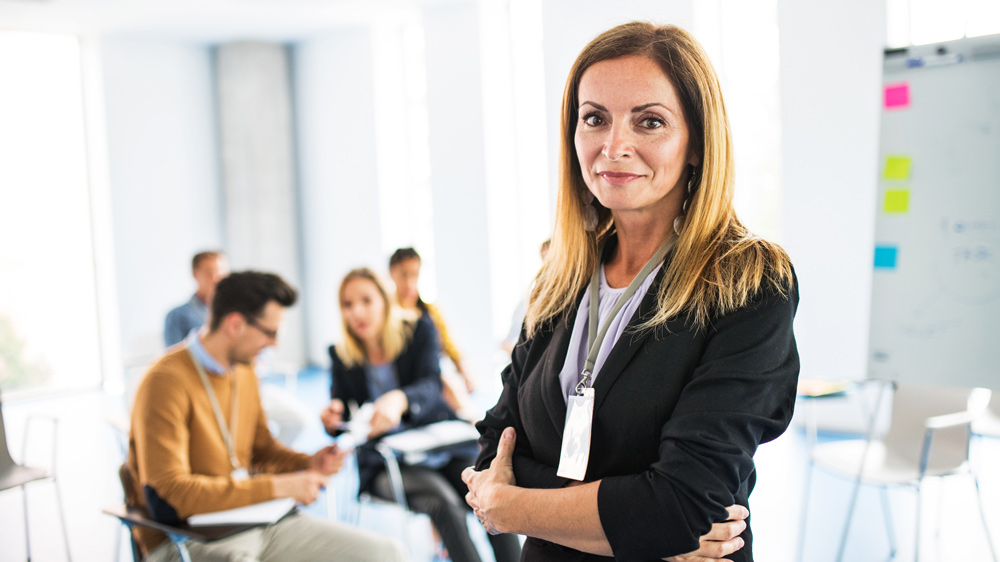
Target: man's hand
332,416
483,485
303,486
328,460
723,540
389,409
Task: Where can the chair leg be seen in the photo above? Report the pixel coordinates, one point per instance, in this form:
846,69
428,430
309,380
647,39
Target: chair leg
182,550
889,528
62,518
982,515
805,511
27,535
850,516
916,534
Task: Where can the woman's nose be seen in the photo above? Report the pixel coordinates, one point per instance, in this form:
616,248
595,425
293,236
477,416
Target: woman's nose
618,142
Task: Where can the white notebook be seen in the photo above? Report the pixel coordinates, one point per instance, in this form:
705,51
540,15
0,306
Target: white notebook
433,436
258,513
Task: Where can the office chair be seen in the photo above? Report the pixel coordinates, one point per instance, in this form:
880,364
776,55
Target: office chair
928,436
987,424
13,475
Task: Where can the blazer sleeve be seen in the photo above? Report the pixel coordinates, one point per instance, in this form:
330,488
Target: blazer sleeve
420,372
528,472
741,394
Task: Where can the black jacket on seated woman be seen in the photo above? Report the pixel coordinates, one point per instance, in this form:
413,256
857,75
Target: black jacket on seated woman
418,372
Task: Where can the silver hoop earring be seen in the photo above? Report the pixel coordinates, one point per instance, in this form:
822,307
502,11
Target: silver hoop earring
679,219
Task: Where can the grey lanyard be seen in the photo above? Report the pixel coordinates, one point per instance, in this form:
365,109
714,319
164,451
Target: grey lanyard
228,432
595,338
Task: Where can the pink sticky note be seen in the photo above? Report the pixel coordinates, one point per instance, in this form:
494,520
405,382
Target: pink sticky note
897,96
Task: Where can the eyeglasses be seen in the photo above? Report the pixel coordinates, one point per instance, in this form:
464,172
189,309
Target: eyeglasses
273,334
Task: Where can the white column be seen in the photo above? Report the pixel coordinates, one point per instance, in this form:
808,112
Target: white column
258,170
333,82
458,177
830,92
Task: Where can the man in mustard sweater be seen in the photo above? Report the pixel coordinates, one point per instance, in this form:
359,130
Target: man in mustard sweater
199,441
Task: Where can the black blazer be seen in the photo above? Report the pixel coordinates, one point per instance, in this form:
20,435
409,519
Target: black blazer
678,415
419,373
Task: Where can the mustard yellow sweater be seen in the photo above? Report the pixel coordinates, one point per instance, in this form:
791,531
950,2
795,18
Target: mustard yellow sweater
175,445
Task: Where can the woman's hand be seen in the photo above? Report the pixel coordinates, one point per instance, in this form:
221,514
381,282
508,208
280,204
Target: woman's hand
723,540
389,409
485,485
332,416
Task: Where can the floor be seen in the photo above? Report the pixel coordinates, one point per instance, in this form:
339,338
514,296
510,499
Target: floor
89,451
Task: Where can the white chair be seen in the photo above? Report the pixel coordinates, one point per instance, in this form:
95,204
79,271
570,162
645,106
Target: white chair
928,435
987,424
14,475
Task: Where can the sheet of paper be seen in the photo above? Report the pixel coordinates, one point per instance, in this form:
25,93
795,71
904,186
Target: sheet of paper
264,512
896,201
885,257
897,96
433,436
897,168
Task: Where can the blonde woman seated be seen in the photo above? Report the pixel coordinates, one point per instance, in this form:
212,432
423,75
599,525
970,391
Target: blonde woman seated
394,366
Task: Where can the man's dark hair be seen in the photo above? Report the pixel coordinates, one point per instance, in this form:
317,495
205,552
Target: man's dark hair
401,255
202,256
248,292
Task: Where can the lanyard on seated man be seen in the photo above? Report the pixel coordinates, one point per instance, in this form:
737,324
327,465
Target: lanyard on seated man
228,432
575,452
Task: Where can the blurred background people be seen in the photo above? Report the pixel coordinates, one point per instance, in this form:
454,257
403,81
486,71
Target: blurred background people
404,270
207,268
287,417
393,364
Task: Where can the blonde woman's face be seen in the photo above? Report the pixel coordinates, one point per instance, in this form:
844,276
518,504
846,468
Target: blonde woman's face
363,309
631,137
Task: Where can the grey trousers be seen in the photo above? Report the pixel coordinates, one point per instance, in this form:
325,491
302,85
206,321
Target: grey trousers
296,538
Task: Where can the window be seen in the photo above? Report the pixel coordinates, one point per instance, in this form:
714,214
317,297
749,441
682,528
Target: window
920,22
48,305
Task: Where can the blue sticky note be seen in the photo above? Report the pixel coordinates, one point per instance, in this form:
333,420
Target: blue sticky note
885,257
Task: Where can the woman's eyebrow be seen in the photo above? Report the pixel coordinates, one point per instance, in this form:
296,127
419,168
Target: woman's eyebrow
644,107
596,105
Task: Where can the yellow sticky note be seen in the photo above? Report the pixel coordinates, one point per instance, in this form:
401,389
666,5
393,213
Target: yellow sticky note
896,201
897,168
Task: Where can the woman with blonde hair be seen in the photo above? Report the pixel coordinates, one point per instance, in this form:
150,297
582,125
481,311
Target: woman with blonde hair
659,327
394,366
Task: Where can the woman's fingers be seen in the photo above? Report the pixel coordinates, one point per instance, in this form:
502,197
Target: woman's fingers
726,530
737,511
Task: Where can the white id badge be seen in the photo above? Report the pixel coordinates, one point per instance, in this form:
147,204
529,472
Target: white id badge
240,474
575,451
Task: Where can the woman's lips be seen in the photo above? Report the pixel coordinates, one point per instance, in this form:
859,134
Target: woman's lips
618,178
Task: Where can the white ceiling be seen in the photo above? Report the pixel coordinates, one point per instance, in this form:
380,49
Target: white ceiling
201,20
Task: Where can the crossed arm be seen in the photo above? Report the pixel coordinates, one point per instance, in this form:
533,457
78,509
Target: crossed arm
503,507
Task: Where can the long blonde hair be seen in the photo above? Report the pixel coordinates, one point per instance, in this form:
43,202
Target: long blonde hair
393,335
717,263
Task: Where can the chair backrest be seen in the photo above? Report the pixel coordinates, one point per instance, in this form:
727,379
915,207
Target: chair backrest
6,460
994,405
128,485
911,406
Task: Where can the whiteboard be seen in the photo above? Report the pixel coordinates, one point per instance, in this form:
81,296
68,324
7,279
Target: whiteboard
935,313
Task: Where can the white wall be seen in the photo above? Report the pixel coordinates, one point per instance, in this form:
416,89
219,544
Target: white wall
830,95
333,88
458,177
163,172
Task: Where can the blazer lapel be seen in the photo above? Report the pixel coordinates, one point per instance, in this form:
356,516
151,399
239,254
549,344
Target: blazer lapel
629,342
552,364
